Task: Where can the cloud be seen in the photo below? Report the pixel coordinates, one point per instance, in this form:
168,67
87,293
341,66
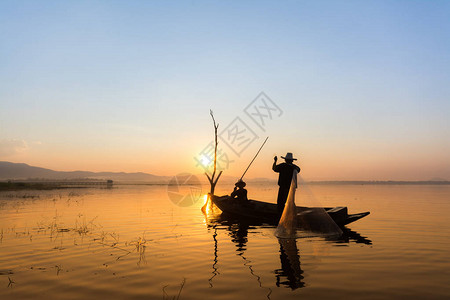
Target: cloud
10,147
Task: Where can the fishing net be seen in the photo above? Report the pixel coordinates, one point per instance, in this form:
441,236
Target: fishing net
311,219
312,216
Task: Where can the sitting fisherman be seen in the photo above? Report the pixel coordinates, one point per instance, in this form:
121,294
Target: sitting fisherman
239,192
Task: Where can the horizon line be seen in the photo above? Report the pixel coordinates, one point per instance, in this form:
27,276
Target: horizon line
437,179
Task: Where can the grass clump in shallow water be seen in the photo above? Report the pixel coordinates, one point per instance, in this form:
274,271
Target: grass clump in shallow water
177,297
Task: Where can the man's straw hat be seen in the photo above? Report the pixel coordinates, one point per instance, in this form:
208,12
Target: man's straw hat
289,156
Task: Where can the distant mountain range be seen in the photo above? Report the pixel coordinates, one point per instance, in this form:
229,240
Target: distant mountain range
18,171
21,171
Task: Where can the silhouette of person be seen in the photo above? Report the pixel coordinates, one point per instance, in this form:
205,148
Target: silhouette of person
239,192
238,234
286,171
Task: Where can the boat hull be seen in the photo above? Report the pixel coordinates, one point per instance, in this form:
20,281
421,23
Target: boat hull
268,213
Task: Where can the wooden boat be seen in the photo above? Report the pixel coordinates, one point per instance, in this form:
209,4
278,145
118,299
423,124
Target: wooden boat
267,212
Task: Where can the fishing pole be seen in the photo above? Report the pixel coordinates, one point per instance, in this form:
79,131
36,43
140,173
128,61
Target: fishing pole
254,158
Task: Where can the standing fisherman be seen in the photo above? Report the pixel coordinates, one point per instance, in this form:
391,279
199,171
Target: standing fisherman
286,170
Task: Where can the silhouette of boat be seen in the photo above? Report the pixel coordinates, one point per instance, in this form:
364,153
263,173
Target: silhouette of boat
267,212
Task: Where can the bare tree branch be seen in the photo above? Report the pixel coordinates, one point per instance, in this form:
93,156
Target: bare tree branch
212,179
215,140
217,179
209,178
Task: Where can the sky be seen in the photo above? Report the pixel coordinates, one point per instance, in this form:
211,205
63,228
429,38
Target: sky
361,87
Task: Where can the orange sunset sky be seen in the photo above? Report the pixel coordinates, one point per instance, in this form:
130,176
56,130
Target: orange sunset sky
358,92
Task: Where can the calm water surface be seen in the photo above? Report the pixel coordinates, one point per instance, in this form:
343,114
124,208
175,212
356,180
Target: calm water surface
132,242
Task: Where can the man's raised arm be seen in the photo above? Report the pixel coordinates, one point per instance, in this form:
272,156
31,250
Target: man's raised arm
274,166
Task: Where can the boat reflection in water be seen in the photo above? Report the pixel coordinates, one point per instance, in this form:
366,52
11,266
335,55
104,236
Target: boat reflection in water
290,274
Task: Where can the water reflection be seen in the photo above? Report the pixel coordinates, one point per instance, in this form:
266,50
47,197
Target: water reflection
290,274
350,235
215,271
65,248
238,233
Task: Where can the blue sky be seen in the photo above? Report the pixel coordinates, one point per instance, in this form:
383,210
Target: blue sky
127,85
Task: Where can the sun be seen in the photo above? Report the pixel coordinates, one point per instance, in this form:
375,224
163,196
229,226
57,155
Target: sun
205,160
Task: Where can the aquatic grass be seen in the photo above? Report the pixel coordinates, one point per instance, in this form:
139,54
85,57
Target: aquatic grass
58,269
84,228
74,194
64,236
177,297
140,243
115,237
11,282
21,196
140,247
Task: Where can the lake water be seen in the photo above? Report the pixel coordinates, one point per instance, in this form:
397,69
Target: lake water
132,242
